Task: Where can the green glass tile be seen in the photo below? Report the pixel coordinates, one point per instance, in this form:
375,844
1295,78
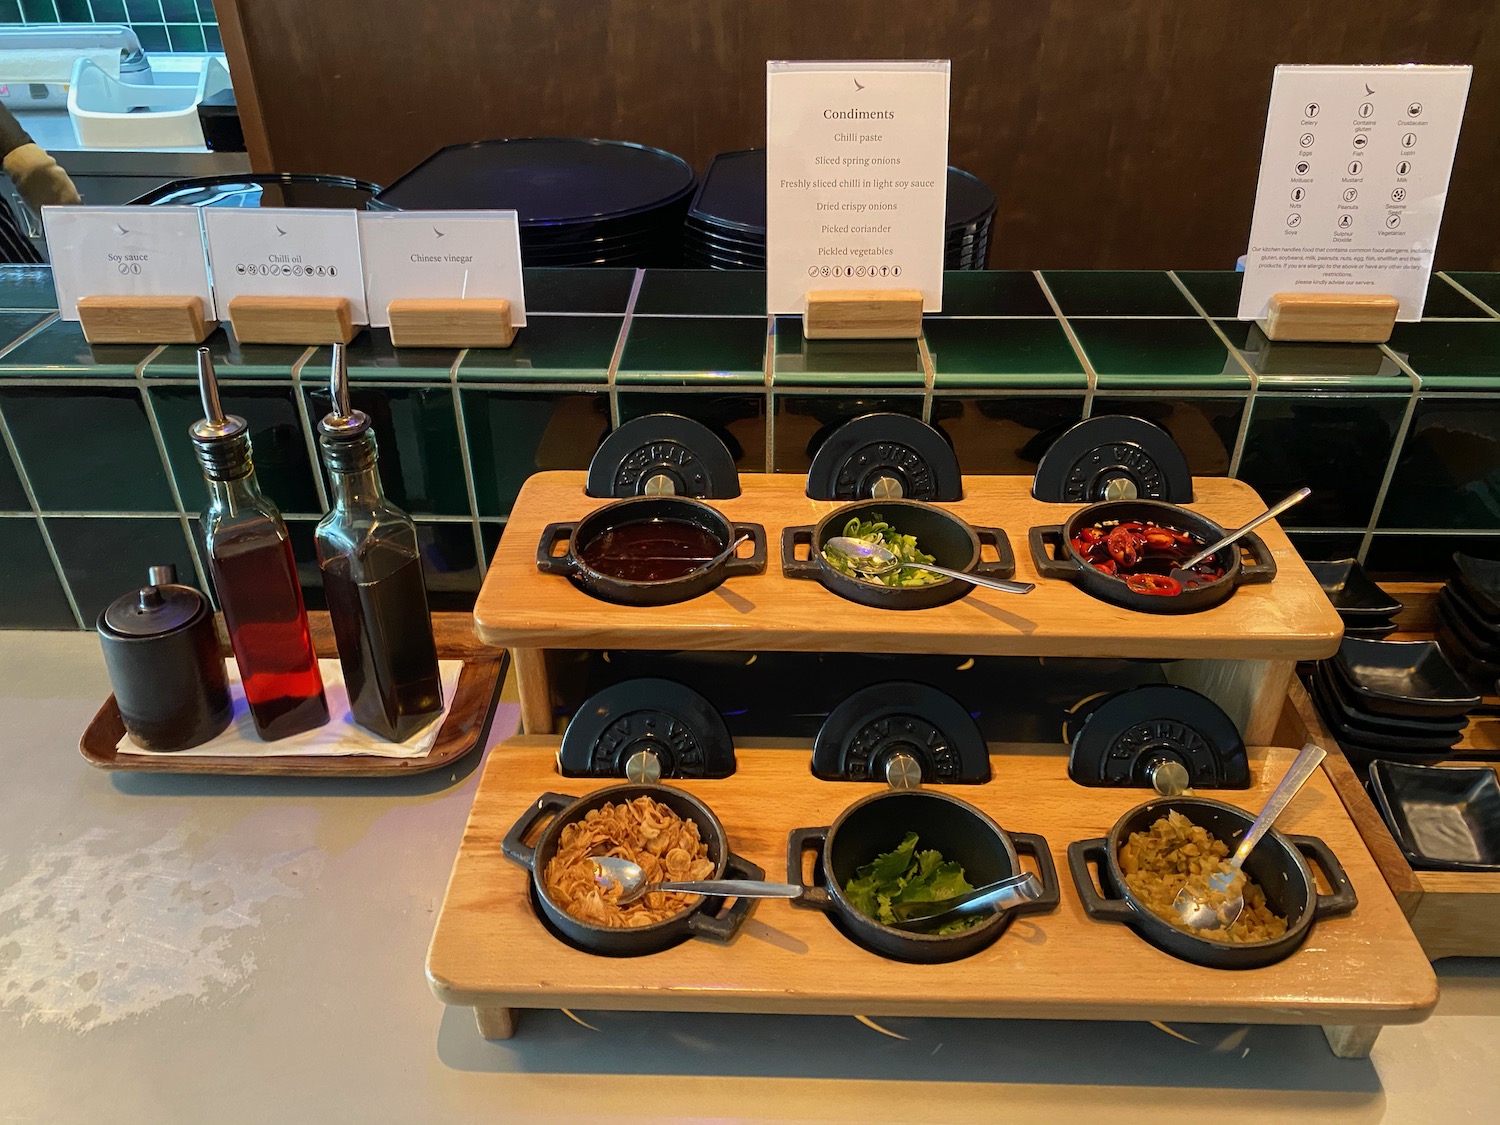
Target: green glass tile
211,38
1167,353
421,461
863,363
1451,354
74,11
14,325
1485,286
153,36
513,434
232,359
992,293
1003,435
555,289
87,450
572,349
108,11
278,444
490,532
38,11
10,11
739,420
27,287
1002,353
1218,291
143,11
179,11
702,293
31,597
105,556
60,350
12,495
701,350
1204,428
1448,471
185,36
206,13
1444,301
1116,293
450,565
1294,366
804,421
372,356
1325,545
1424,558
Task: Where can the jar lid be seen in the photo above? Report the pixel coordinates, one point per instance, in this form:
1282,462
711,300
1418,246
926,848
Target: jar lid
159,607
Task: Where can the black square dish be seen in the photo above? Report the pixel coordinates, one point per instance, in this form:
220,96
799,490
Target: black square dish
1479,642
1460,599
1352,592
1369,632
1481,580
1410,679
1332,697
1444,819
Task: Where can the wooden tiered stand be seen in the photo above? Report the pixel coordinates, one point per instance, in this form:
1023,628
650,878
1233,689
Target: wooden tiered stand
491,953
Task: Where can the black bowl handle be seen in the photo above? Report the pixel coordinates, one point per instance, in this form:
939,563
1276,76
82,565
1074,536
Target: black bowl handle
791,566
723,926
548,804
1095,905
1005,565
1262,564
1064,565
801,841
1343,898
753,563
552,535
1029,843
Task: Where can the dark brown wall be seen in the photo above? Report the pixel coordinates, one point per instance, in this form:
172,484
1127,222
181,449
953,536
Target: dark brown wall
1117,133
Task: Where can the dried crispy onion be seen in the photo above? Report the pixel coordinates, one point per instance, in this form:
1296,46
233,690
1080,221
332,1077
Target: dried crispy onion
644,831
1158,861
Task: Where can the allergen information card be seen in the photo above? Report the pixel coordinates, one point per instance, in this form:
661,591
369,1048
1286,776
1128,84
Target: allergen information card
1353,177
856,178
441,254
284,252
126,252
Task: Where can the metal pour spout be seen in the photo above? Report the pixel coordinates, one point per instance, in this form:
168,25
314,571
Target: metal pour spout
215,423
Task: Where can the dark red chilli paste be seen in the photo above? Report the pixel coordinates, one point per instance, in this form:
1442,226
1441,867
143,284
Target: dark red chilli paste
1143,555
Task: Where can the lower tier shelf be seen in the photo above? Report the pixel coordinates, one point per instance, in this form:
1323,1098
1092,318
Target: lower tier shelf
491,953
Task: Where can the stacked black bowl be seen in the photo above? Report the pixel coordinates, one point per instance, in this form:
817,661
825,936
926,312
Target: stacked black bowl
1398,700
1366,609
725,228
1468,621
581,202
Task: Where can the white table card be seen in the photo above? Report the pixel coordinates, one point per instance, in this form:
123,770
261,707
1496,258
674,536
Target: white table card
1353,177
441,254
126,252
284,252
856,178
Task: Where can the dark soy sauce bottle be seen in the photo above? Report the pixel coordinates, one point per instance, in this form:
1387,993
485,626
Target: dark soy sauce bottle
255,577
372,576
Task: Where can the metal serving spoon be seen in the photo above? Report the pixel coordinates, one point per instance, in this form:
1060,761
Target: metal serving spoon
875,560
612,871
1181,572
921,916
1194,905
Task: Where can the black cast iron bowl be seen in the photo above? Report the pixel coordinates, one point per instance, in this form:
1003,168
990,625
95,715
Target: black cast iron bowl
957,829
1071,566
641,509
707,920
949,540
1279,864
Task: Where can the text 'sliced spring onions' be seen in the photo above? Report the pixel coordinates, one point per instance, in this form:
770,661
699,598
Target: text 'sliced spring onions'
876,530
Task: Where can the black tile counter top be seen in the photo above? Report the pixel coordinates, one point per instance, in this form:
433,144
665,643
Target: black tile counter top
1401,442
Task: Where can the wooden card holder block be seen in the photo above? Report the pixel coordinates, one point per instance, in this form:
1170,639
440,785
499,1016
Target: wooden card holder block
144,320
292,320
450,323
863,314
1353,318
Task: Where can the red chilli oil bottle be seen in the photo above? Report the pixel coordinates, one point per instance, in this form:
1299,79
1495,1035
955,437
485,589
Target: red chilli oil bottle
372,576
255,577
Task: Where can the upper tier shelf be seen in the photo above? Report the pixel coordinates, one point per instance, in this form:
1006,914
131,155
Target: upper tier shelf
519,607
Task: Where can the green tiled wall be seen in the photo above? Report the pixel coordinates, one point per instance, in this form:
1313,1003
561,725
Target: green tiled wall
161,25
1400,442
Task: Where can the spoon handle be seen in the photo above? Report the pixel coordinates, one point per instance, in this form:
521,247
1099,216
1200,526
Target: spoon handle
1004,585
738,888
1270,513
1303,768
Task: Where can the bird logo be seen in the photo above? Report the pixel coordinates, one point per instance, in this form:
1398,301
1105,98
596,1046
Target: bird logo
857,85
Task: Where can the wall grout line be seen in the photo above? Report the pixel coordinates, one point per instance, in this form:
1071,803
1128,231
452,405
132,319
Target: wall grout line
1078,352
768,364
463,453
619,353
1238,452
1469,295
929,376
24,477
29,333
1398,445
309,436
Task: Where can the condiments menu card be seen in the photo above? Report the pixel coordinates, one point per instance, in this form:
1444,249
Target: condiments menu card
284,252
125,252
1353,177
856,178
441,254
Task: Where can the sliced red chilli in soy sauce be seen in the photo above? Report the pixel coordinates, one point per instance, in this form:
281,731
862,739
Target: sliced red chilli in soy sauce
1144,555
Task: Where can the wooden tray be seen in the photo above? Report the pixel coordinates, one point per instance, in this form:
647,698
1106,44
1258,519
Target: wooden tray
491,953
464,728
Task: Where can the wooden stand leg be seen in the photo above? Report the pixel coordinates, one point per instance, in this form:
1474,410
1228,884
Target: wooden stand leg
1253,692
1352,1041
534,688
496,1023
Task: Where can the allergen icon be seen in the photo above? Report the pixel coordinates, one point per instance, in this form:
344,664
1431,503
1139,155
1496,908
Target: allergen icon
1294,219
1351,194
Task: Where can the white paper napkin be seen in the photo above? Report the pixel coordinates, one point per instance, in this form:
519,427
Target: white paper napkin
336,738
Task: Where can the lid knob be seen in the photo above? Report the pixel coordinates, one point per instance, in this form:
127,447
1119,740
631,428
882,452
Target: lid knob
1120,488
902,771
643,767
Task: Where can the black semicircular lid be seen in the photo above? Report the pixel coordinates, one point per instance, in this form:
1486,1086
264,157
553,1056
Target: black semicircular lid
686,453
1079,465
893,446
1121,737
684,731
898,716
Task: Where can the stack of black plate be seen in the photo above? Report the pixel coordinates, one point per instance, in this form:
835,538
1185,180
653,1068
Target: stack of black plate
254,189
1367,610
1468,616
1398,700
581,202
726,225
